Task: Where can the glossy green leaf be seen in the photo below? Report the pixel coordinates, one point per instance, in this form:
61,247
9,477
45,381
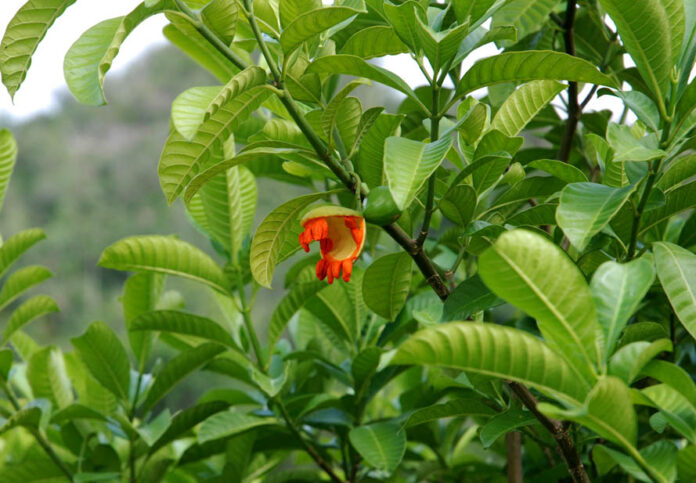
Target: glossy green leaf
386,284
495,351
487,170
229,423
289,10
503,423
22,36
8,155
617,291
355,66
310,24
178,322
221,16
183,421
288,306
48,377
470,296
403,19
381,444
272,234
672,375
141,293
608,411
91,56
375,41
105,358
26,418
645,32
370,157
16,245
163,254
559,169
181,160
364,367
29,311
535,275
526,15
329,118
229,202
676,269
677,409
527,66
586,208
21,281
408,164
179,367
189,108
630,359
524,104
458,204
440,47
184,35
629,148
454,408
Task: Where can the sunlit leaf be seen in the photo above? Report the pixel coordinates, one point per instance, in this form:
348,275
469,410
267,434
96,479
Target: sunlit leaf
676,269
524,104
386,284
8,155
29,311
381,444
20,281
312,23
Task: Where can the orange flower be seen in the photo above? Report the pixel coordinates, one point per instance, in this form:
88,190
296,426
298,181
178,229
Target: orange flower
341,236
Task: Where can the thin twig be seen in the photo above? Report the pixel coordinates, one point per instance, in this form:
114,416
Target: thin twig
513,444
574,110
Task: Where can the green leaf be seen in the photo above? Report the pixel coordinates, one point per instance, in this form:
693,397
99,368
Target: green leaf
26,418
608,411
105,358
181,160
22,36
363,368
229,202
629,148
288,306
495,351
75,411
8,154
672,375
470,296
185,36
179,367
228,423
503,423
355,66
487,170
677,409
454,408
370,157
178,322
329,118
458,203
16,245
30,310
408,164
386,284
526,15
524,104
617,290
536,276
375,41
676,269
272,234
141,293
189,108
381,444
440,47
163,254
48,377
183,421
527,66
586,208
645,32
21,281
221,16
90,57
289,10
559,169
630,359
312,23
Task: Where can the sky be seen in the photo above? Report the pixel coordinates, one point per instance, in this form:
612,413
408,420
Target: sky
38,93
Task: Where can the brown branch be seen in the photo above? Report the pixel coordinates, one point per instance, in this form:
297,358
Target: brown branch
513,443
559,433
574,109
